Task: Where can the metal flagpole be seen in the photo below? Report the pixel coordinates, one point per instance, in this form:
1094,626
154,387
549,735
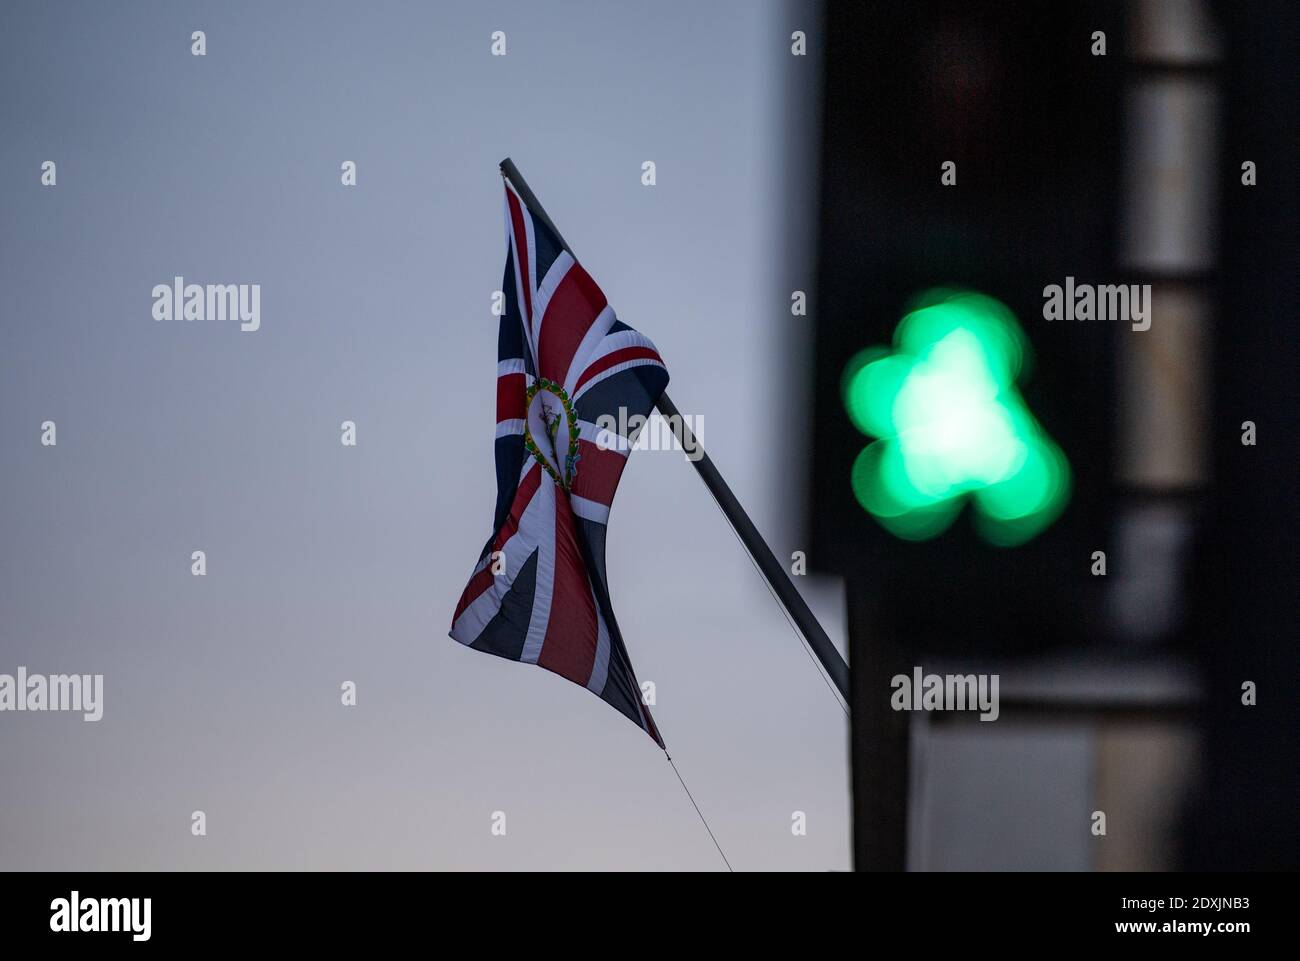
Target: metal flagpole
771,569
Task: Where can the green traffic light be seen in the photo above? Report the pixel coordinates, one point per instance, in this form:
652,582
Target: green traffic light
952,427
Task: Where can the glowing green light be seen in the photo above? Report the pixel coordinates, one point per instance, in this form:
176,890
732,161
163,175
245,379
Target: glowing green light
952,426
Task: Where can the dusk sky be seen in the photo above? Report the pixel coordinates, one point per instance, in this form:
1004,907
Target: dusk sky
327,563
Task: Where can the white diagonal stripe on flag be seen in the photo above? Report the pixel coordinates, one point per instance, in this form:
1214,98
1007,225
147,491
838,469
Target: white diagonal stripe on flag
541,529
589,509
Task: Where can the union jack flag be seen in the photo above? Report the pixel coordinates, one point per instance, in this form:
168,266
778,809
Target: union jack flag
539,593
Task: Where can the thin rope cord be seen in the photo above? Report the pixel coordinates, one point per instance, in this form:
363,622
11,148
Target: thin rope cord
803,641
699,812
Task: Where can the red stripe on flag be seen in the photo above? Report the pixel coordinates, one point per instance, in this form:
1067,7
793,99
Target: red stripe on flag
569,648
573,307
598,472
511,391
613,358
521,252
523,496
481,581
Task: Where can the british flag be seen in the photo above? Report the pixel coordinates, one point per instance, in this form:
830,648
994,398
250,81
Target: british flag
539,593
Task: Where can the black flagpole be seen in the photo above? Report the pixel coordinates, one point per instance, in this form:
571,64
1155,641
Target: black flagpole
767,563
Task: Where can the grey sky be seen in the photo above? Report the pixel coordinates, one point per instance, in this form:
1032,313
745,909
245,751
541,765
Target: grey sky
326,563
